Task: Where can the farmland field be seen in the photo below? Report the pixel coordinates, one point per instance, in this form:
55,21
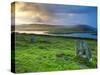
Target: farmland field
48,53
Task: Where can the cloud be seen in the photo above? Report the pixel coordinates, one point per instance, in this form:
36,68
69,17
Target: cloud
53,14
31,13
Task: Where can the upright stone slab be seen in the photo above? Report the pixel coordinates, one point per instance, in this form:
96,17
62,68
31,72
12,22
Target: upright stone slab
33,39
83,50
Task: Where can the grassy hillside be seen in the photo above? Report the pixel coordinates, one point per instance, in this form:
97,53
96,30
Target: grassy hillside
49,54
54,28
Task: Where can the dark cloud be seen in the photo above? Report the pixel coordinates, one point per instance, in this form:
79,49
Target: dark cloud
55,13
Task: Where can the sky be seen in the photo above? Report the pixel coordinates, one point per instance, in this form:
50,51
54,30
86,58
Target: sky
53,14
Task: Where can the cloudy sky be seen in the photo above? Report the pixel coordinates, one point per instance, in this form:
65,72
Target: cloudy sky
53,14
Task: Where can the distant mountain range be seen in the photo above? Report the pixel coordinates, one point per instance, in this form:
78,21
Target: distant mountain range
86,28
55,28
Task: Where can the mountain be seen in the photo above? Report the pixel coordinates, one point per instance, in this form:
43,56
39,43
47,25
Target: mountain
55,28
86,28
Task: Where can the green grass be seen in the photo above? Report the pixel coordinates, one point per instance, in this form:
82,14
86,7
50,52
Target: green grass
49,53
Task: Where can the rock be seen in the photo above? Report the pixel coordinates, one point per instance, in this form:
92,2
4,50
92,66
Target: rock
33,39
83,50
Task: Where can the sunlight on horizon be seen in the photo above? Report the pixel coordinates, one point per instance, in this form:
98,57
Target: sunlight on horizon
36,13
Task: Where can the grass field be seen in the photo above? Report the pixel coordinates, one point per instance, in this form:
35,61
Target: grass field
47,53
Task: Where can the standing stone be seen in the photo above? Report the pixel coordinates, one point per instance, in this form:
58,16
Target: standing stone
83,50
33,39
